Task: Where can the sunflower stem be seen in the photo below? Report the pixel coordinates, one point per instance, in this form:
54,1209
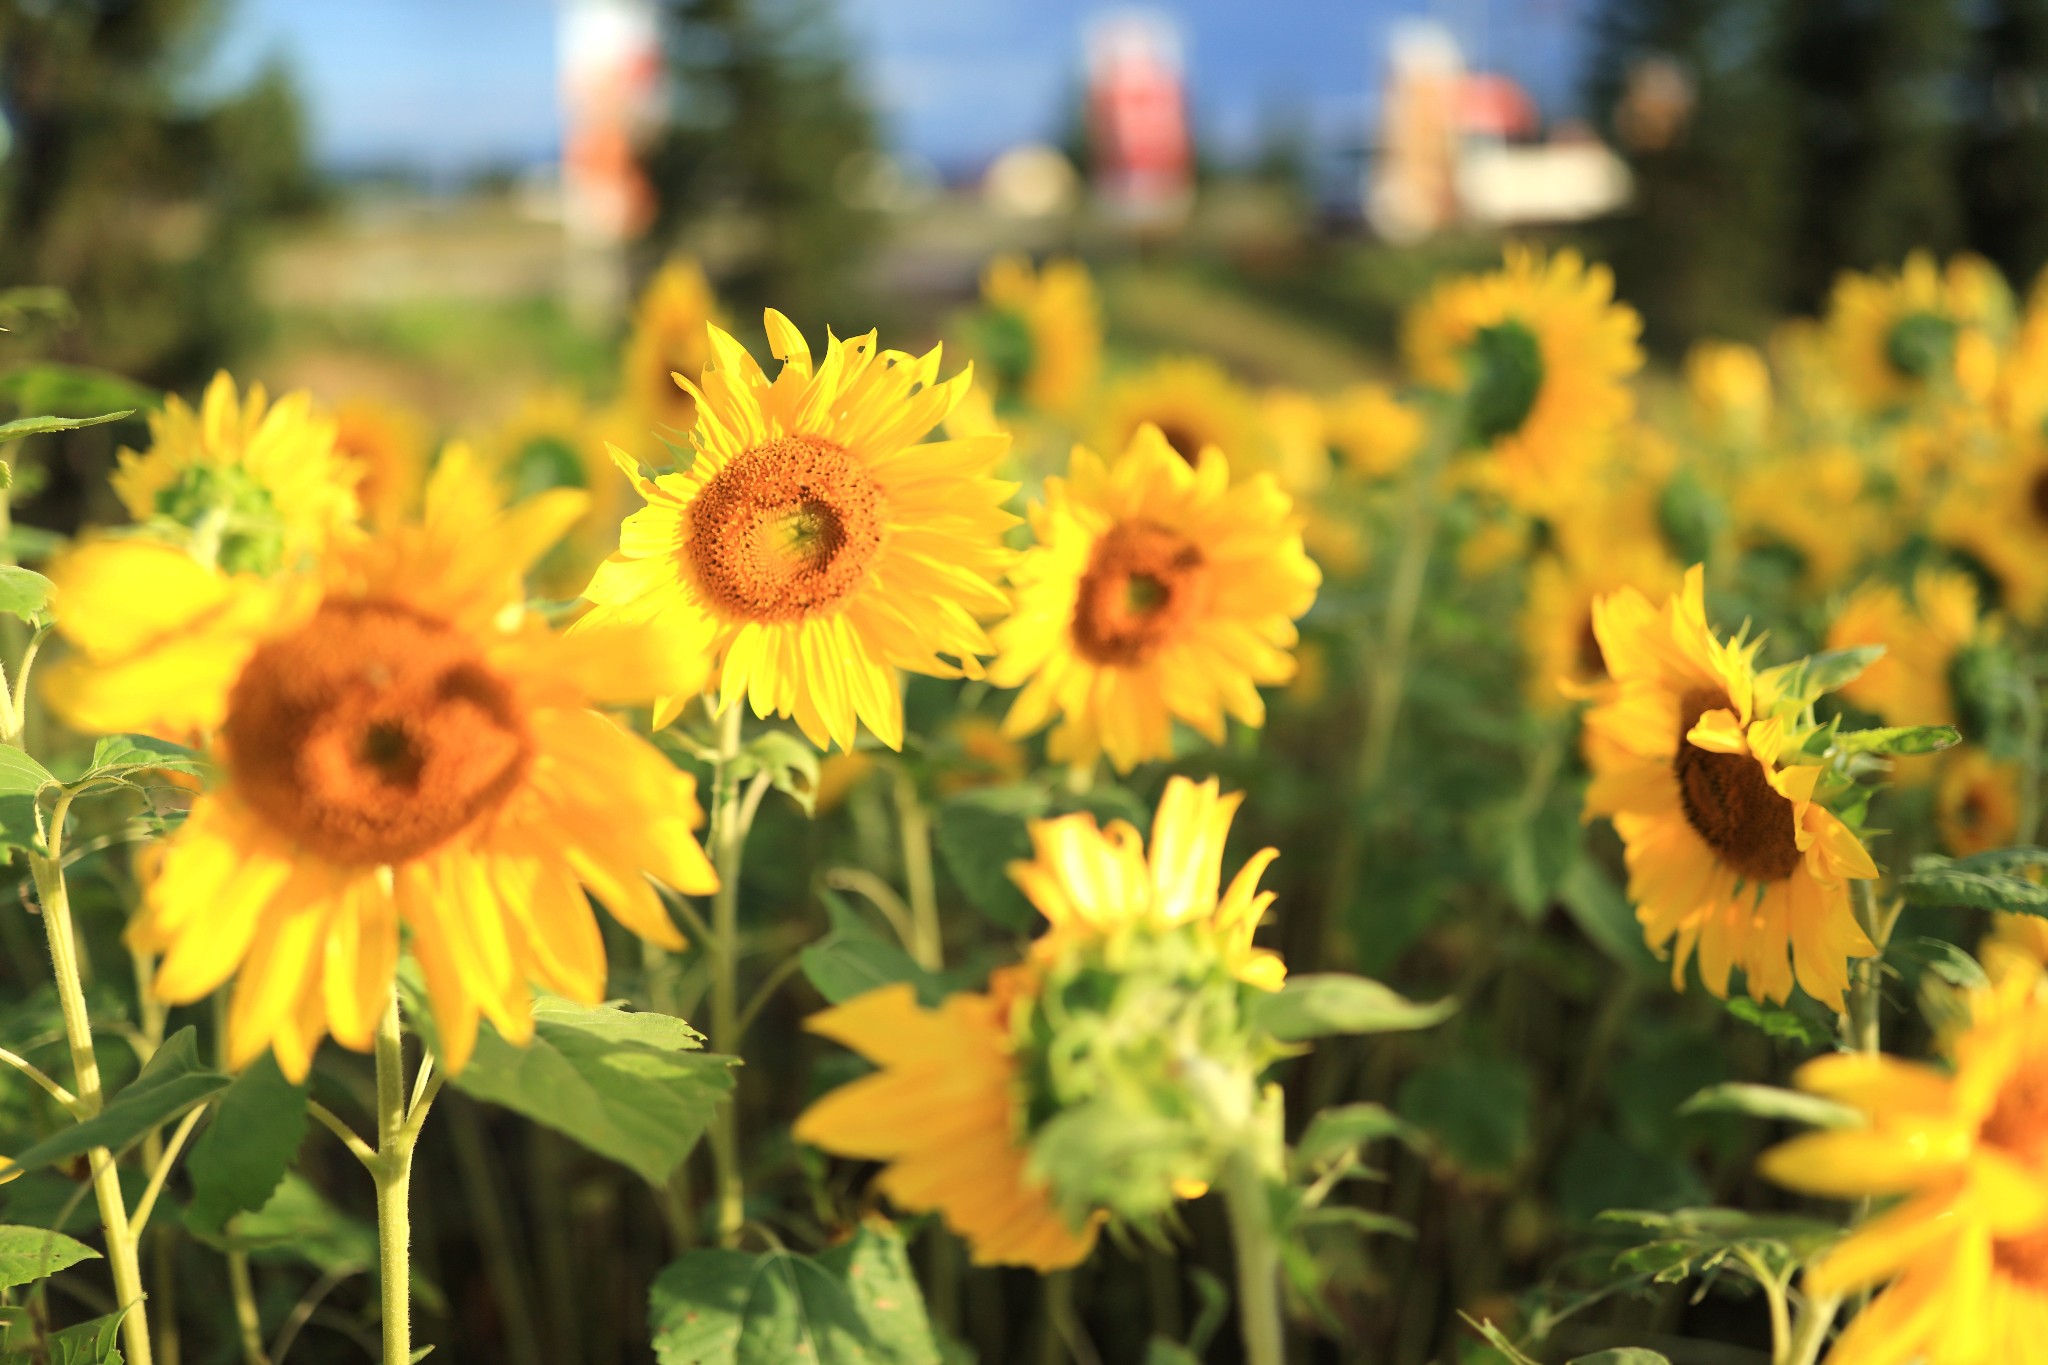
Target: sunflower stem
1816,1315
55,899
397,1136
926,946
729,838
1863,1031
1258,1258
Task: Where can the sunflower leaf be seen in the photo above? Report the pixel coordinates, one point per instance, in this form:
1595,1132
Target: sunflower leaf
21,775
1802,680
239,1161
39,426
23,592
1771,1102
875,1268
1319,1005
134,758
724,1307
28,1254
790,761
628,1084
89,1343
1623,1355
172,1082
854,959
1983,882
1899,740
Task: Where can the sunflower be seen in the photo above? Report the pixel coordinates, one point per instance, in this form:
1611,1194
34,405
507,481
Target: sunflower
1824,504
1542,354
1977,803
671,335
1896,338
1156,591
814,546
1042,338
1963,1254
388,446
1558,642
1730,389
1998,513
255,484
1195,404
1922,636
1727,851
944,1112
1373,432
399,748
554,440
1089,882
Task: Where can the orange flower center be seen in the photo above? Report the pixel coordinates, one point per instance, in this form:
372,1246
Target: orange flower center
1142,586
2018,1125
1730,803
785,531
373,734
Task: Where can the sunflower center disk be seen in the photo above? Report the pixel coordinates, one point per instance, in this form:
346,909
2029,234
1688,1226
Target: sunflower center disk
1143,584
1730,803
2018,1125
785,531
373,734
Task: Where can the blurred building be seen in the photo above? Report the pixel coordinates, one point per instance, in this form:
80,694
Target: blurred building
1459,146
611,74
1137,118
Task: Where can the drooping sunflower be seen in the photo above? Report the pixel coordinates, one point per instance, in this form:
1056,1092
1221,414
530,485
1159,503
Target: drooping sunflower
1195,404
1727,851
1042,339
399,747
1895,338
1977,802
388,446
555,440
254,483
1910,683
1998,512
671,335
815,545
1156,591
952,1109
1558,642
1542,354
1962,1257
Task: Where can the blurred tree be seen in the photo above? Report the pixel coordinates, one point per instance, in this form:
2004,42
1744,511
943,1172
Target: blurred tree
2005,164
1690,92
773,149
120,187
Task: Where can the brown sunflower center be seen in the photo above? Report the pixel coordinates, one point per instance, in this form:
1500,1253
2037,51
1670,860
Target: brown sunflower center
785,531
1142,586
2023,1258
1730,803
373,733
1591,659
2037,497
2018,1123
1186,442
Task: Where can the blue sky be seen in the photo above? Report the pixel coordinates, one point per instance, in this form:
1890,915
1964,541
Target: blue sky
451,84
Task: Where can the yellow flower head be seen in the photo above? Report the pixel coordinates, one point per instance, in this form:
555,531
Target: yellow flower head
1157,591
1043,343
1998,512
1727,851
1977,806
1909,684
944,1111
1375,433
1730,387
1542,353
1090,882
1965,1153
1558,642
815,545
671,335
1195,404
1821,503
554,440
388,447
399,747
1895,338
255,484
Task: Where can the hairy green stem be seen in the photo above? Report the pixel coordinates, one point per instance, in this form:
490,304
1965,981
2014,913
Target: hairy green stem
1816,1315
55,898
926,946
1258,1259
398,1136
728,847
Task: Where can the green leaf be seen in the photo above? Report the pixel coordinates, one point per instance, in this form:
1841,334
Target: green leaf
239,1161
1317,1005
1359,1220
1475,1110
32,1253
21,775
1603,915
1335,1134
1788,1025
1771,1102
89,1343
1623,1355
790,761
172,1082
876,1271
1983,882
71,390
1688,1242
1898,739
1805,679
629,1085
854,959
132,758
23,592
730,1308
1498,1340
39,426
298,1222
980,833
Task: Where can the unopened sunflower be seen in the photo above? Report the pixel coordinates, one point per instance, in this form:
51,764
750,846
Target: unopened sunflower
252,484
399,747
1157,591
1961,1259
671,335
970,1096
1541,353
1728,853
815,546
1042,341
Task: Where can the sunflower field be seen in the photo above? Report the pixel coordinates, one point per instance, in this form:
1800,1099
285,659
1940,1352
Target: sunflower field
1037,850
